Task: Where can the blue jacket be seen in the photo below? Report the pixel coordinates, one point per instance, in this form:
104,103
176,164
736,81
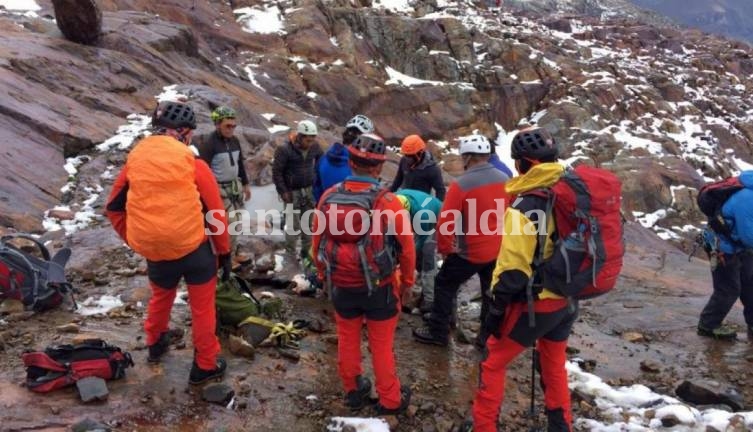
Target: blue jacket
738,215
430,205
331,169
497,163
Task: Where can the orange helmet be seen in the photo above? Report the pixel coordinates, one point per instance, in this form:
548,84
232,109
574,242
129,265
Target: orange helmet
412,144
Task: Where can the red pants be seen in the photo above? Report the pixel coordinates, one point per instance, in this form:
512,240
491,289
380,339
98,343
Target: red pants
552,319
381,338
201,300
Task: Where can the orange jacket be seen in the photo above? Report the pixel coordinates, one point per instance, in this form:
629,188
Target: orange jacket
389,204
159,199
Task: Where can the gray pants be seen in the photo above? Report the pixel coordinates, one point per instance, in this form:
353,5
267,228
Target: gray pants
232,197
426,264
303,201
732,280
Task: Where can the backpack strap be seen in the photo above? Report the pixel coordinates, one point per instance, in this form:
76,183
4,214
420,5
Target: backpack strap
42,248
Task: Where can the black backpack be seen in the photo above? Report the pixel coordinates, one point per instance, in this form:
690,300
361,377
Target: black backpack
712,197
39,283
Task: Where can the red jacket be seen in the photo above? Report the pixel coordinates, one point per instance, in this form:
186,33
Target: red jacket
388,204
470,224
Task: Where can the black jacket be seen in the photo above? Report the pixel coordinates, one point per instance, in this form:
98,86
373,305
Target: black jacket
291,170
425,176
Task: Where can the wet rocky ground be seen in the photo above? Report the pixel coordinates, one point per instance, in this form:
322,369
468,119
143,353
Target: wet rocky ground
644,332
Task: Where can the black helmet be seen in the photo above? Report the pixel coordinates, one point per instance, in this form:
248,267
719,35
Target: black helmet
174,115
368,149
535,143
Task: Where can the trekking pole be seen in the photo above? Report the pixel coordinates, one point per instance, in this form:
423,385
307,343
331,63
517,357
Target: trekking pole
532,409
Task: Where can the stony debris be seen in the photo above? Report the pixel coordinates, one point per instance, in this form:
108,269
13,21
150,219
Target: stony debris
88,425
92,389
218,393
238,346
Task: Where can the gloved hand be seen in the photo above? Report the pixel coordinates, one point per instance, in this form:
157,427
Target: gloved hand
226,267
492,325
287,197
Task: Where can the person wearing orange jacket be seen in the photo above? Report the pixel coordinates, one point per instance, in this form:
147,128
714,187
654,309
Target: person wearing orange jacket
364,251
469,232
157,206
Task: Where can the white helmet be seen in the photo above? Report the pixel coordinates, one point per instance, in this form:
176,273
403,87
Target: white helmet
307,127
362,123
477,144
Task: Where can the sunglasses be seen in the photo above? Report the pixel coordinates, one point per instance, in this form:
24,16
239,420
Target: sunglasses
229,126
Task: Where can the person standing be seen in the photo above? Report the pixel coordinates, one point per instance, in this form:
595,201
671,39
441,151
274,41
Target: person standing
221,150
424,211
417,169
157,206
366,272
469,233
333,167
293,175
507,323
729,243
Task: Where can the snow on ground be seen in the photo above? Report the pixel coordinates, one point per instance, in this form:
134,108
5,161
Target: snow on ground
138,124
360,424
94,306
637,408
394,5
264,20
399,78
20,5
278,128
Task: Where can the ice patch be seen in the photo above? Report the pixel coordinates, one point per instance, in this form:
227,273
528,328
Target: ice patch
104,304
279,263
269,116
20,5
264,21
624,408
126,135
337,424
252,76
394,5
312,95
399,78
171,94
278,128
179,297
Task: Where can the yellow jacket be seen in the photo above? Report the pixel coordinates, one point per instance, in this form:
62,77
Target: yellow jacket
518,250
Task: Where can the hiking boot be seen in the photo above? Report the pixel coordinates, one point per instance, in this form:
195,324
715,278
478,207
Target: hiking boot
358,398
198,375
426,307
159,348
405,394
426,335
722,332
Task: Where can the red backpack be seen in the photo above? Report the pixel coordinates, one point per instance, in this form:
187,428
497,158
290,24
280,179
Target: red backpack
356,256
589,244
63,365
711,199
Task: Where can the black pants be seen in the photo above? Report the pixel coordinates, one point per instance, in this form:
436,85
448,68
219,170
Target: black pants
352,303
454,272
732,279
197,268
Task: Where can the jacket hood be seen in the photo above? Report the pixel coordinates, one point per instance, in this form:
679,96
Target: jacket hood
539,176
426,161
337,155
746,178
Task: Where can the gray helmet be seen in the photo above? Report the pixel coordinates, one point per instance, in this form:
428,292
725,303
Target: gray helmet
174,115
362,123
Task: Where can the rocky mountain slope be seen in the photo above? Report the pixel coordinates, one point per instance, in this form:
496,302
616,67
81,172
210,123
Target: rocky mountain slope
663,108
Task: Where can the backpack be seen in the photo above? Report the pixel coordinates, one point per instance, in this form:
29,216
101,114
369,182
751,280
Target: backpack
589,243
63,365
359,257
234,301
711,199
39,283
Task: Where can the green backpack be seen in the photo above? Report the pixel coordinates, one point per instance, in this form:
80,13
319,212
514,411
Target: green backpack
235,302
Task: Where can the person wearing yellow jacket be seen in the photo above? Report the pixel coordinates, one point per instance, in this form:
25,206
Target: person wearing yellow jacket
535,153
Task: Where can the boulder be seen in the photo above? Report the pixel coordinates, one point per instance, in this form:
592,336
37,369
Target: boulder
79,20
